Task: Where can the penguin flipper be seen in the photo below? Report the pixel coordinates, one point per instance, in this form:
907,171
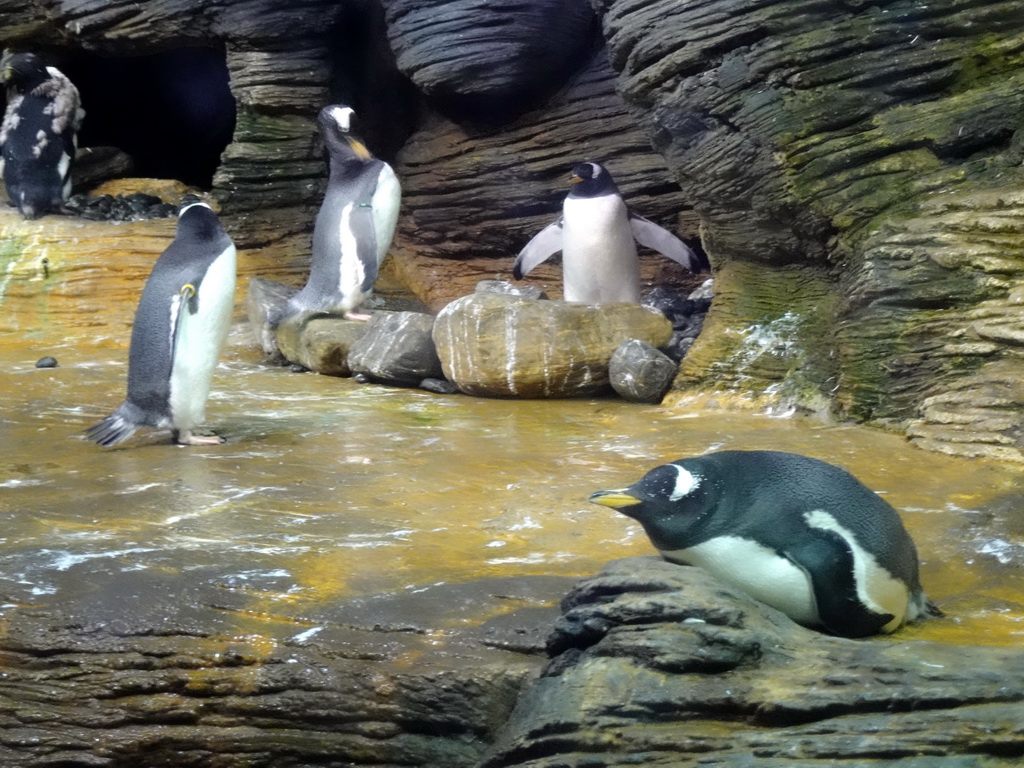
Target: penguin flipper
828,562
649,234
544,244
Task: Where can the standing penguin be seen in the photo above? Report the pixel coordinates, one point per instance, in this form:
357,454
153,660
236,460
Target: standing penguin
797,533
596,234
355,224
39,134
180,326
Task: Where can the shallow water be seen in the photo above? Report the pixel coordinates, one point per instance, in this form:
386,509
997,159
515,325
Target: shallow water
329,489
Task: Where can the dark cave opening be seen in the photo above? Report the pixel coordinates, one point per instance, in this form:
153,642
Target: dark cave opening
172,111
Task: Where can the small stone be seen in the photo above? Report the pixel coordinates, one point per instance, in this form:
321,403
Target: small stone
439,386
46,362
397,348
640,373
706,291
506,288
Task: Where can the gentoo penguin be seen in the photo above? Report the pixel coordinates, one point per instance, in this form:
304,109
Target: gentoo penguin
797,533
180,326
596,234
355,224
39,134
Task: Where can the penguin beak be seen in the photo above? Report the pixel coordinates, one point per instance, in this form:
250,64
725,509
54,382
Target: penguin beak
359,148
574,179
614,499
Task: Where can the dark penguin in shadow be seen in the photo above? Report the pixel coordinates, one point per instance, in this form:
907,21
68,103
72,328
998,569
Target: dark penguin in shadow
797,533
180,327
597,235
39,134
355,224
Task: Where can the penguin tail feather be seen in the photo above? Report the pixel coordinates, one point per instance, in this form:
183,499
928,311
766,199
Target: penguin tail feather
118,426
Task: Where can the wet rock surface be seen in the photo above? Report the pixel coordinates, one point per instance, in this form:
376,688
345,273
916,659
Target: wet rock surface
152,674
499,346
397,348
319,343
685,311
658,664
640,373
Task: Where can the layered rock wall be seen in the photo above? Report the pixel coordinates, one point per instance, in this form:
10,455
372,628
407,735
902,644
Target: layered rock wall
856,169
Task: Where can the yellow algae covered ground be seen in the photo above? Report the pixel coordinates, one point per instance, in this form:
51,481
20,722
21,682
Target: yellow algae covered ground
329,489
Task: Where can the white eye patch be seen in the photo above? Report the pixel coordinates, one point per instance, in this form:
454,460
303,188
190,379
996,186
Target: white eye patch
343,117
686,483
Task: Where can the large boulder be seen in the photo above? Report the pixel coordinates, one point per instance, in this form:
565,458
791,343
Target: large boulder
501,346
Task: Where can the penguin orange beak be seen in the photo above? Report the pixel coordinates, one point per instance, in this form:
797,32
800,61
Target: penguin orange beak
574,179
359,148
614,499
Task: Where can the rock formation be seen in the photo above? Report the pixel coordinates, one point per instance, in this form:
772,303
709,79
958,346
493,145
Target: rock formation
657,664
857,172
504,346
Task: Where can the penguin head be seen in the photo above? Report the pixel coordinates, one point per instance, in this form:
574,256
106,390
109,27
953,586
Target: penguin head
670,502
196,218
591,180
339,127
23,71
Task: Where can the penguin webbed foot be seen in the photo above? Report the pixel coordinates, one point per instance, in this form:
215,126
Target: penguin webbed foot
186,437
358,316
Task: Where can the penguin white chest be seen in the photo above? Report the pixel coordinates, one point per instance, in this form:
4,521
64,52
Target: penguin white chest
599,261
387,199
757,570
198,339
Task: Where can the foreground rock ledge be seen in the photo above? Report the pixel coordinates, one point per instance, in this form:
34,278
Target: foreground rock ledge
653,664
656,664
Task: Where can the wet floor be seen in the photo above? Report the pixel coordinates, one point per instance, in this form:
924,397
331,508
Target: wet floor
329,489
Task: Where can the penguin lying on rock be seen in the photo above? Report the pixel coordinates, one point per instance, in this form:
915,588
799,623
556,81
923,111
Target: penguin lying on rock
355,224
180,326
596,234
39,134
797,533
